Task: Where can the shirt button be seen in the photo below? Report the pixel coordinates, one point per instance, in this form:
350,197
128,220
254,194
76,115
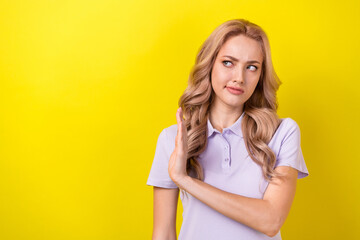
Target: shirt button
226,159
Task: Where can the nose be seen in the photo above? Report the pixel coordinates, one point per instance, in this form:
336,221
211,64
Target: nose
239,75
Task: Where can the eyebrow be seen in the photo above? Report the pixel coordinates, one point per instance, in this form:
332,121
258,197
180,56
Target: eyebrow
236,60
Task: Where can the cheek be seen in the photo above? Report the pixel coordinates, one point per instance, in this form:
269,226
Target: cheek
219,78
217,84
254,84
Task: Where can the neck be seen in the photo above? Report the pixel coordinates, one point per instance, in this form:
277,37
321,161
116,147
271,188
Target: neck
223,117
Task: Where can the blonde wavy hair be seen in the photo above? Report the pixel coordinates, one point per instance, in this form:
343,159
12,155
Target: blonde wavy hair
260,119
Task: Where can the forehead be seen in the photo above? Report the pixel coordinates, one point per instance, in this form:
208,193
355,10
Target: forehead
243,48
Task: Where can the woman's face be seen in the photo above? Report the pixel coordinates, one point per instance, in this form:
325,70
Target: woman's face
237,66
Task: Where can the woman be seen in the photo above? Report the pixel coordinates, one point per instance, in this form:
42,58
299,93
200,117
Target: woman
235,161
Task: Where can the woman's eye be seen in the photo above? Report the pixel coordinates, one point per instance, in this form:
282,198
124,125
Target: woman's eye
254,68
224,62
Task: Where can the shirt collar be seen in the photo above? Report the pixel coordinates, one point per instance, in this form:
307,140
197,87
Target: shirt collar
235,128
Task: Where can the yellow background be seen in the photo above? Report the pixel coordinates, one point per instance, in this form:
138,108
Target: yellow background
87,86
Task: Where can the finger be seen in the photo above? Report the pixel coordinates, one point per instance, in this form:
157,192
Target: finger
183,133
179,130
181,122
182,125
182,129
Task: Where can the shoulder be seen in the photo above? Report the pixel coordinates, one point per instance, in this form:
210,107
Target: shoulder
171,131
288,127
167,137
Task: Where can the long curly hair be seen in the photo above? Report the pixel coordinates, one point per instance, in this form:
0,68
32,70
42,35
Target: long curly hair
260,119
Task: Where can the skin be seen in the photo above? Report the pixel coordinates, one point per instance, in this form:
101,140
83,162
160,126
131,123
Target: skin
266,215
165,208
227,107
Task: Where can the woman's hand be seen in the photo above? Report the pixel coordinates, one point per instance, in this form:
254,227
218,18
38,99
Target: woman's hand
178,159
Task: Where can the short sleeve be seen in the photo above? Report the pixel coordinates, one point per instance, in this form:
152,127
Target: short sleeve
290,153
159,175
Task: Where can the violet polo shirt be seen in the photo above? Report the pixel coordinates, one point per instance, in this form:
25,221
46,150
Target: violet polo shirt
226,166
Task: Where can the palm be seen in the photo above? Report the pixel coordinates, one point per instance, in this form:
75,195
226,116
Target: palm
177,162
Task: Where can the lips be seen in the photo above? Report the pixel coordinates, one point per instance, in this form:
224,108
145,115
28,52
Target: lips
237,89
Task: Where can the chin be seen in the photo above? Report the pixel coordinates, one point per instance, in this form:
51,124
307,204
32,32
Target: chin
235,104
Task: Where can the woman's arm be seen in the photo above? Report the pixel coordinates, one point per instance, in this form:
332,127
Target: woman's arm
266,215
165,207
